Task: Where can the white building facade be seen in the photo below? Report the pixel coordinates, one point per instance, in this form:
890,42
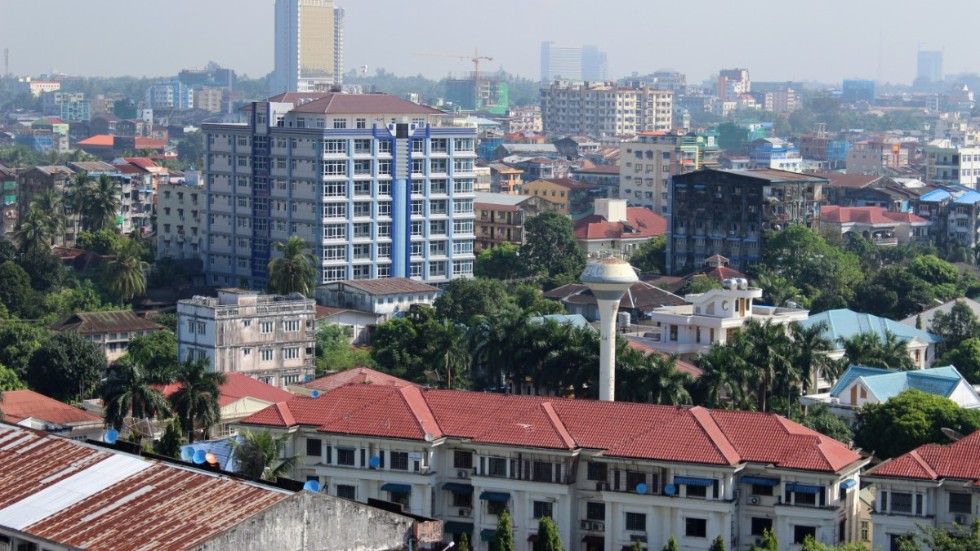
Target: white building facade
599,109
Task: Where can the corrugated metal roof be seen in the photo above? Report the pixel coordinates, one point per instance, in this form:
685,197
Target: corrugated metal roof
844,323
105,322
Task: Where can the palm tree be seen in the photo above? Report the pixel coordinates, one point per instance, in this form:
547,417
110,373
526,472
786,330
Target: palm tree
721,376
490,342
100,201
196,401
125,275
868,349
128,391
769,348
447,352
664,383
34,232
294,271
259,455
52,205
810,349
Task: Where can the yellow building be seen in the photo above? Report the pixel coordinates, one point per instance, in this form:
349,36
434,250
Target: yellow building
568,196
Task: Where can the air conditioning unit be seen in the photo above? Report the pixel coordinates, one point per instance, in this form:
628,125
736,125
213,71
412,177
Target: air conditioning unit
753,500
598,526
586,525
462,474
424,470
464,512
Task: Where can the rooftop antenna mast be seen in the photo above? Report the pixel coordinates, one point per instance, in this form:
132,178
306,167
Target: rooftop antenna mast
6,61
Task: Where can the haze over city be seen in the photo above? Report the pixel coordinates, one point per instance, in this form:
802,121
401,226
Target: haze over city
824,42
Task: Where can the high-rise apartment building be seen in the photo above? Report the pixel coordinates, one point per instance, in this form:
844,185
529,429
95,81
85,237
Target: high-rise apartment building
732,83
572,63
929,66
604,109
309,46
647,163
375,184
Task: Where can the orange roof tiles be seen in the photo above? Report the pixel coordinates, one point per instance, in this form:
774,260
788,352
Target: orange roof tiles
18,405
99,140
867,215
668,433
640,223
356,376
959,460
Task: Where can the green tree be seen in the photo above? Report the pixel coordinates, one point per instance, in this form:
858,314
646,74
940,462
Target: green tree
47,271
732,136
550,249
868,349
125,275
259,455
910,420
965,357
294,270
651,256
957,325
196,401
464,543
465,298
671,544
9,380
504,540
819,418
128,392
190,148
395,349
16,293
934,271
19,340
66,367
530,299
501,262
445,351
809,350
769,355
34,232
769,542
99,201
50,203
548,538
157,353
718,544
700,284
810,544
171,441
104,241
637,545
959,538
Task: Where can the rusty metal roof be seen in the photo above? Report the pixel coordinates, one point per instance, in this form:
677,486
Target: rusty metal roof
81,496
88,323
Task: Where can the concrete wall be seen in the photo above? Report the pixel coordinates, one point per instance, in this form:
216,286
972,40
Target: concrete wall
316,522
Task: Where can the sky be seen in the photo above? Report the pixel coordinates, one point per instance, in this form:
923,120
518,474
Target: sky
823,41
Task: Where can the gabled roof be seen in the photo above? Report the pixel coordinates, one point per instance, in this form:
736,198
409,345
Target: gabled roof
640,296
640,223
352,104
356,376
853,181
926,316
867,215
844,323
959,460
236,387
88,323
18,405
499,199
888,383
665,433
566,183
99,140
389,286
640,344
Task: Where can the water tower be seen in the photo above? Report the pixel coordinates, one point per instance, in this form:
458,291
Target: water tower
608,278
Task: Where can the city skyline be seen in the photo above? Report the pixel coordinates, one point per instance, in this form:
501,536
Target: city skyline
699,44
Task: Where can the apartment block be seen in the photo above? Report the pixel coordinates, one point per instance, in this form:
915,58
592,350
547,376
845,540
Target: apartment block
269,337
876,156
647,163
500,217
180,220
604,109
308,46
948,163
373,183
725,212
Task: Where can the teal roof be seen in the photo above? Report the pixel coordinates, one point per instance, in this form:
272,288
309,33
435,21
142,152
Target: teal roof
576,320
886,384
844,324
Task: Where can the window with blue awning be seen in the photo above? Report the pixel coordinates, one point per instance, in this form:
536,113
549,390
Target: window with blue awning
693,481
760,481
397,488
848,484
457,488
499,497
803,488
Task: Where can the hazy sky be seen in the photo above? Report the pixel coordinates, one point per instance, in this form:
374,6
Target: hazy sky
790,40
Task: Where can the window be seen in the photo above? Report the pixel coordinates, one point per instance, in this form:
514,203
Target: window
496,507
417,228
462,500
399,461
384,230
384,208
462,459
339,124
335,189
463,206
335,210
636,522
437,248
760,525
265,327
696,527
437,227
438,187
335,168
598,471
345,456
543,509
462,247
418,166
462,226
463,186
384,189
437,207
313,447
266,354
362,251
696,491
497,466
335,146
595,510
360,123
384,168
462,267
346,491
291,353
800,533
384,250
901,502
362,229
335,273
960,503
384,146
335,231
417,248
759,490
418,207
542,472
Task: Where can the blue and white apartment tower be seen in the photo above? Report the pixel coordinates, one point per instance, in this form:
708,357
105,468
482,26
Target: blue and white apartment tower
375,184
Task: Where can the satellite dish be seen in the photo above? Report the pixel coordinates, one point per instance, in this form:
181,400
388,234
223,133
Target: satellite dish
311,486
211,459
952,434
374,462
429,437
111,436
315,394
641,488
187,454
670,489
200,456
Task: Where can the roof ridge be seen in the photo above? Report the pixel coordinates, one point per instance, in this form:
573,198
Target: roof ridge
708,424
558,425
914,455
424,417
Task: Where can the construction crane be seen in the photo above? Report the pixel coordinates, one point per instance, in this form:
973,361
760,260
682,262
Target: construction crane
475,58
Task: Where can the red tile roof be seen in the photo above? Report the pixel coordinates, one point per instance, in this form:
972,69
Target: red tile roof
667,433
142,142
236,387
142,162
854,181
99,140
867,215
18,405
356,376
640,222
684,367
959,460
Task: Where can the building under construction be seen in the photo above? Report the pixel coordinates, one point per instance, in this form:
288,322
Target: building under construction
484,94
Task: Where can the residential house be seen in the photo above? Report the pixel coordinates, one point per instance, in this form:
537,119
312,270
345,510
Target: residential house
617,229
359,325
62,495
839,186
500,217
36,411
875,156
568,196
573,147
505,179
948,163
860,386
269,337
604,177
924,319
35,181
638,301
683,472
110,331
931,486
238,397
880,226
605,109
385,298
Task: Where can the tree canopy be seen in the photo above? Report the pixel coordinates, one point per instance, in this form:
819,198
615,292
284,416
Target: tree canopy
66,367
550,249
910,420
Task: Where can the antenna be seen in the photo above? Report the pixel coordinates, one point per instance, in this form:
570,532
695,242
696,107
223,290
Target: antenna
111,436
311,486
6,61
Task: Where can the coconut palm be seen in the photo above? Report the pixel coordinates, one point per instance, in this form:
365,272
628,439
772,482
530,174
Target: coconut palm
34,232
447,352
128,392
294,271
51,204
810,349
196,401
769,349
99,203
125,275
870,350
258,454
490,341
664,382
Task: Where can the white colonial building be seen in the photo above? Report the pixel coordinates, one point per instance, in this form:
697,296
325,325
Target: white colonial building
269,337
463,457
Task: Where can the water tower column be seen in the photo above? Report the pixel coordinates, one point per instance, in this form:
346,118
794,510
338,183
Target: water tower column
609,279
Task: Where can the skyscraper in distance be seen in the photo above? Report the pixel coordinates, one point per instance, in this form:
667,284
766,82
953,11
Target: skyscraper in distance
572,63
309,46
930,66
